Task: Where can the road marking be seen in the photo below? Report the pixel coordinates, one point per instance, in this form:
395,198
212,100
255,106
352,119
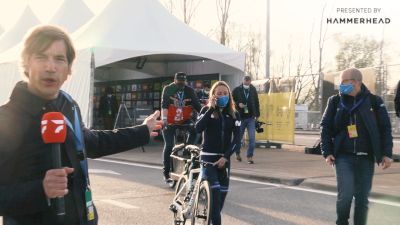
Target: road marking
129,163
119,204
97,171
330,193
267,188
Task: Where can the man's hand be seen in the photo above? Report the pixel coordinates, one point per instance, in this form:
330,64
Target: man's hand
55,182
386,162
221,162
241,105
153,124
330,160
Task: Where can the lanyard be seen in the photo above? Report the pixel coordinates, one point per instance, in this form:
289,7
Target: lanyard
79,144
180,95
246,95
350,110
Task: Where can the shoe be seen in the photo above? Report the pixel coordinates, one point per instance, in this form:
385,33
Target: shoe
167,178
238,158
250,160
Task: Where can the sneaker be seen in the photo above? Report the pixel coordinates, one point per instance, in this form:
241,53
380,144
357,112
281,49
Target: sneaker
238,158
167,178
250,160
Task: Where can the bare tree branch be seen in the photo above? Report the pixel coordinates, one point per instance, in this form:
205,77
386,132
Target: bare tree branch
223,15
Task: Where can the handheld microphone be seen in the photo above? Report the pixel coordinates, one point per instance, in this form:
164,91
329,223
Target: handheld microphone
54,132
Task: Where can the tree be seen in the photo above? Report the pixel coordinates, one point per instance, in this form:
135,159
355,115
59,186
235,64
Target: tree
357,51
253,55
188,8
223,7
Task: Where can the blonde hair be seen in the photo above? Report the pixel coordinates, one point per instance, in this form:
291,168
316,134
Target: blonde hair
231,105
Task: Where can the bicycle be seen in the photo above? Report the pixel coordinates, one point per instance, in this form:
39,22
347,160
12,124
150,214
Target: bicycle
193,196
177,155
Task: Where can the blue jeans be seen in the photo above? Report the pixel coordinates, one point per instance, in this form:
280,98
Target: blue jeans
354,179
169,135
219,185
250,124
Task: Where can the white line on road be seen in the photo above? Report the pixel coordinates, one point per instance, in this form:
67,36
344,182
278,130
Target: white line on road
129,163
378,201
119,204
103,171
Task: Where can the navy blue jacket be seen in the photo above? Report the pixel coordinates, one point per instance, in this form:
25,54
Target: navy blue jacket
376,121
211,125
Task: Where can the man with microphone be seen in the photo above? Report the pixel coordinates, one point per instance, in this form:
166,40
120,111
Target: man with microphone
44,145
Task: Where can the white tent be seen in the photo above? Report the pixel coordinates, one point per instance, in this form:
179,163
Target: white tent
130,32
71,15
14,35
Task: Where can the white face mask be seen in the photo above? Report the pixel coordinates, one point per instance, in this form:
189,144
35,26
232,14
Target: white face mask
109,95
246,86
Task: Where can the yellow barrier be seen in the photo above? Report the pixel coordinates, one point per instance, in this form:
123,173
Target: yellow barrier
277,111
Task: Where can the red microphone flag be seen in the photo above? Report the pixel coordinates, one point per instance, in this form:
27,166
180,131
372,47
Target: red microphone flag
54,129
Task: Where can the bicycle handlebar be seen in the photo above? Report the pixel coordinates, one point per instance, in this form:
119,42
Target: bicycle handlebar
181,126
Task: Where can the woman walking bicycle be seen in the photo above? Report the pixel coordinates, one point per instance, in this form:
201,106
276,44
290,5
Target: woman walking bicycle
220,124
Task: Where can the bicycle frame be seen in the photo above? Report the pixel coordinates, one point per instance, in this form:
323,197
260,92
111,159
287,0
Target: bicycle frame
184,210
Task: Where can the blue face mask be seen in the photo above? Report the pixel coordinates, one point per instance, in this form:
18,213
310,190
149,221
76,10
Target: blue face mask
346,88
222,101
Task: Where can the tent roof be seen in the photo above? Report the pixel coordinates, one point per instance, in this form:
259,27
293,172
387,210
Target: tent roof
1,30
13,36
131,28
71,15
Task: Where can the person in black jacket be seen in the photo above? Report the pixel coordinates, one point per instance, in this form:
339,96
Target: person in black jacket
355,132
29,184
220,124
246,101
397,100
108,108
177,102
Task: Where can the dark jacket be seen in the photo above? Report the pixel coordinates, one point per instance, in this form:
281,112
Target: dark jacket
25,158
251,102
397,100
170,92
108,106
375,119
213,135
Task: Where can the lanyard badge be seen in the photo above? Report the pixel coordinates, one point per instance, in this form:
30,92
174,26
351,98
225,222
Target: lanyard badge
89,204
352,130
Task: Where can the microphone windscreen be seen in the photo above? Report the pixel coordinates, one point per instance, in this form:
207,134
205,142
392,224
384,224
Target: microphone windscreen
53,127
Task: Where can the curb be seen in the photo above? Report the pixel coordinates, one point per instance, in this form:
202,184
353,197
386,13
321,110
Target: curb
301,182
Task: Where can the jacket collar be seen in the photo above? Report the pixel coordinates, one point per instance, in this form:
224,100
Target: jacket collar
31,103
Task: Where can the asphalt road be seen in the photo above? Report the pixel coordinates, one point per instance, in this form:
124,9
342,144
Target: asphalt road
134,194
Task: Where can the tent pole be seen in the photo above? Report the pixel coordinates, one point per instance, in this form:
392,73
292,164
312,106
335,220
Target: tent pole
91,90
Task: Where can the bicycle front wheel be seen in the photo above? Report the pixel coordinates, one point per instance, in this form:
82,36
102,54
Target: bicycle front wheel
203,205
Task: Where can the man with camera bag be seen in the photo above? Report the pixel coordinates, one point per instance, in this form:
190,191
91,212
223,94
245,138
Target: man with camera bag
246,101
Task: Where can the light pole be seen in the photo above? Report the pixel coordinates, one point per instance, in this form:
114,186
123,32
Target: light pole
267,50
